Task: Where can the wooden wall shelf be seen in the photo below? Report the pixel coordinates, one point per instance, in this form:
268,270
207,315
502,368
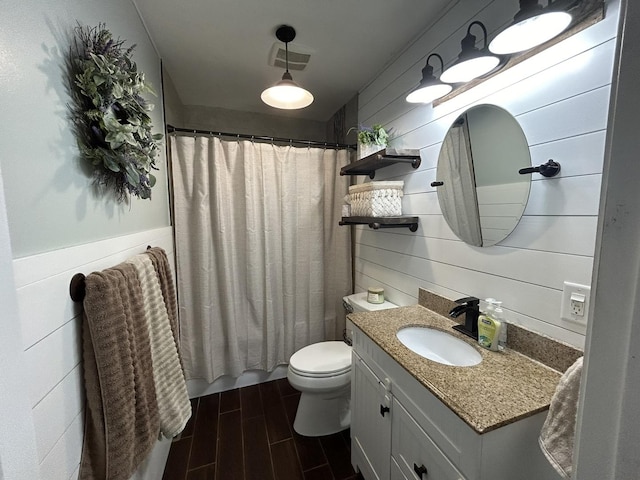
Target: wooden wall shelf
383,222
383,158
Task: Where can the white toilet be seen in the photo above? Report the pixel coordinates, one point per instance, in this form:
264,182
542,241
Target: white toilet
322,373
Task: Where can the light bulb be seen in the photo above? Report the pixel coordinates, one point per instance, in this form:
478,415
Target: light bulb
429,93
469,69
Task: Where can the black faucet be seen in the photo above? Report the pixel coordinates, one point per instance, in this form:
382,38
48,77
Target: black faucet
471,307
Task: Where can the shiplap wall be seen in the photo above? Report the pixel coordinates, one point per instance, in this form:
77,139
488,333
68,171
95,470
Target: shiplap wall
560,98
497,218
51,330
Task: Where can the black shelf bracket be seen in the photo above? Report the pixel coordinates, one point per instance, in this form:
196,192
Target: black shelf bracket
377,223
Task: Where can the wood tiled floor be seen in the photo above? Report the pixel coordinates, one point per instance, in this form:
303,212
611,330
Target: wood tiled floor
247,434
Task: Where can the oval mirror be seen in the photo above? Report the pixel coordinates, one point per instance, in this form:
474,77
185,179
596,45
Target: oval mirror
481,193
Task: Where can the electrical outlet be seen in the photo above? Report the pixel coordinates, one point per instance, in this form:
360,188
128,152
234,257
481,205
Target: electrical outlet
575,302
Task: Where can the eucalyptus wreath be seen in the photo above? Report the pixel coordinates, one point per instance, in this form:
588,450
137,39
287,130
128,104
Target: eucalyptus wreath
110,116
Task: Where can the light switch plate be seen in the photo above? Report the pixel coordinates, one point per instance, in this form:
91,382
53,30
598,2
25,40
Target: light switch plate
572,293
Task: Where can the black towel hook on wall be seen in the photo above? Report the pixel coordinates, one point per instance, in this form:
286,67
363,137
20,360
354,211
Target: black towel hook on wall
549,169
77,285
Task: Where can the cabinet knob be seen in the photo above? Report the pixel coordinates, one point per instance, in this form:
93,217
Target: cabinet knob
420,470
387,384
383,410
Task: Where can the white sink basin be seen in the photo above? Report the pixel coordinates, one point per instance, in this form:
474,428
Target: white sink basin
439,346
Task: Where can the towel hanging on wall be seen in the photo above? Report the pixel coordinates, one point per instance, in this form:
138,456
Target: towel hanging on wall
122,421
134,381
558,432
174,407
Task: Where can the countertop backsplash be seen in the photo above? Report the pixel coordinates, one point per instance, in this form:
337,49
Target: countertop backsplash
550,352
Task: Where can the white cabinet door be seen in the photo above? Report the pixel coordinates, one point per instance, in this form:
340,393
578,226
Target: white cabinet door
417,456
370,423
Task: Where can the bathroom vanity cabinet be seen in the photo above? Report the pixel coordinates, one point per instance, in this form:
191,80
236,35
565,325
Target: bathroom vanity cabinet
401,431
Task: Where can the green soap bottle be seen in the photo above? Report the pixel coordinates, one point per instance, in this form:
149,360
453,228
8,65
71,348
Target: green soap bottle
489,327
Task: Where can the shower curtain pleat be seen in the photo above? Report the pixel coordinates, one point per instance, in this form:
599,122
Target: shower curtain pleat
262,264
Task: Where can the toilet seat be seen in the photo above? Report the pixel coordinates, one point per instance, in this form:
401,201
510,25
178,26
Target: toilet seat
321,360
319,375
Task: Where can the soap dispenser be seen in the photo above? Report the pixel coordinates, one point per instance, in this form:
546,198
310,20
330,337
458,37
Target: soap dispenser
499,315
489,327
494,309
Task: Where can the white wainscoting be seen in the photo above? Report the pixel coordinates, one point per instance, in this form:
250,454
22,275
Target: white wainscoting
560,97
51,329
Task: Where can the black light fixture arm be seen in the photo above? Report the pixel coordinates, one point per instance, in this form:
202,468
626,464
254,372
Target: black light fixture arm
549,169
484,31
430,66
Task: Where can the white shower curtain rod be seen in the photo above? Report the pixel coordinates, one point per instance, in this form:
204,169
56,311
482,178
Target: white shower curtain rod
290,141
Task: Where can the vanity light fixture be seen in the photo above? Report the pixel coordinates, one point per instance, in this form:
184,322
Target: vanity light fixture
533,25
472,62
286,94
430,88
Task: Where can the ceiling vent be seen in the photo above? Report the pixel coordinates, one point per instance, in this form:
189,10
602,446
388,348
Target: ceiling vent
298,56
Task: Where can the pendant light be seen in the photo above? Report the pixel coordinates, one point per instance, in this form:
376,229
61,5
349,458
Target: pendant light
286,94
472,62
532,26
430,88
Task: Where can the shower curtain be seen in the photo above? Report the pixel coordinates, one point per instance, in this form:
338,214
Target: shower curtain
262,264
460,205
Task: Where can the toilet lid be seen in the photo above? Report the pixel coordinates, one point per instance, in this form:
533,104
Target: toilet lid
322,359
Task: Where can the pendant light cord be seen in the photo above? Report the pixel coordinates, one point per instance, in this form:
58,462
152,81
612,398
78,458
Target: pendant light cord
286,55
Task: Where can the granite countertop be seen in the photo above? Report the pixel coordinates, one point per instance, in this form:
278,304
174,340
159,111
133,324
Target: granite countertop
504,387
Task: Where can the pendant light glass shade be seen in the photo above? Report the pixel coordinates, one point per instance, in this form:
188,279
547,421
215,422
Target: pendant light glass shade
286,94
472,62
532,26
430,88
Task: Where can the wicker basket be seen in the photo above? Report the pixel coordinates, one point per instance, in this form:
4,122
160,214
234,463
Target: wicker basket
376,199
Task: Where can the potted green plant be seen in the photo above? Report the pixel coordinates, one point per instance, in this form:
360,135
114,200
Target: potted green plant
371,139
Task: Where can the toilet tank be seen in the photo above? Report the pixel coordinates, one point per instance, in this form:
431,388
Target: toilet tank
358,303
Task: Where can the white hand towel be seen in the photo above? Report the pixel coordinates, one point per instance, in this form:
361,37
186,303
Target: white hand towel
558,432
